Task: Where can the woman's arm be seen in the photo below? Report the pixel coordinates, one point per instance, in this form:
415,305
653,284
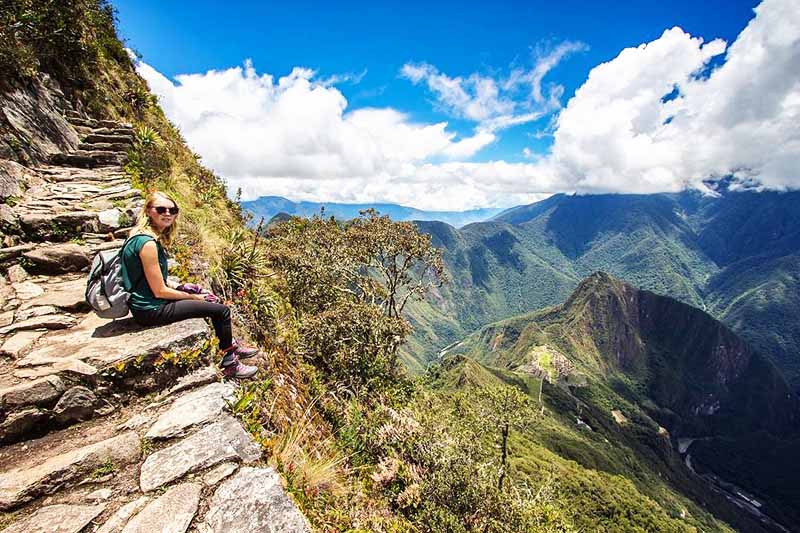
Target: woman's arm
152,273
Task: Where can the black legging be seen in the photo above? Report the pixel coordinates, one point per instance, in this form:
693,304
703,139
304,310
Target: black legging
177,310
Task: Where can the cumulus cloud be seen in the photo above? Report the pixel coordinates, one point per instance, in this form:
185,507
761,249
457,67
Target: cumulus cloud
619,133
296,137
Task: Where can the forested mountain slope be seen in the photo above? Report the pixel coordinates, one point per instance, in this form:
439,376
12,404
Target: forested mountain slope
735,254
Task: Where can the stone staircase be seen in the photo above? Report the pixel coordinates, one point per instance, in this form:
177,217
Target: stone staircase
85,445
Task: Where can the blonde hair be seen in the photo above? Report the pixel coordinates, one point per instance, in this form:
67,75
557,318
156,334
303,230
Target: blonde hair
144,225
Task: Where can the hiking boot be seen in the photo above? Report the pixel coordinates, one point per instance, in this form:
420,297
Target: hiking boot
239,371
244,352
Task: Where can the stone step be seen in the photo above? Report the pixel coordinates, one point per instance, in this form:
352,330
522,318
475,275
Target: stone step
57,227
56,259
115,139
113,124
172,512
222,441
43,475
253,500
107,147
90,159
85,122
199,407
127,132
103,359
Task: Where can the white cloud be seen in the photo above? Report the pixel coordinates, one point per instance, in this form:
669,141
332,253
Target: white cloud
496,104
616,133
288,138
297,138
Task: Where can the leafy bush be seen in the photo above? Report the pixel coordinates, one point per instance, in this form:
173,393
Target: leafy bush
148,159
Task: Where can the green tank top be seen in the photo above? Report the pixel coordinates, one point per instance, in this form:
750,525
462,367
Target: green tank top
133,279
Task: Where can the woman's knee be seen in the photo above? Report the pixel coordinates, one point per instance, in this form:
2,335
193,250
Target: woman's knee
220,311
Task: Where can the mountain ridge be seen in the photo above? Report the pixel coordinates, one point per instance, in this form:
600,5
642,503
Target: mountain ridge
270,206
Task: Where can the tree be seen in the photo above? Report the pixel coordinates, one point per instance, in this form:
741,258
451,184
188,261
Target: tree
405,260
504,408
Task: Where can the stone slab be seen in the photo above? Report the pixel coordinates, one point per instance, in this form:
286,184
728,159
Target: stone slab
57,519
27,290
71,366
203,376
19,342
118,520
45,476
40,392
218,473
170,513
253,501
103,343
222,441
68,295
192,409
40,322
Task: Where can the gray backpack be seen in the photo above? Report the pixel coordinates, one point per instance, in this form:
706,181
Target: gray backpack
104,290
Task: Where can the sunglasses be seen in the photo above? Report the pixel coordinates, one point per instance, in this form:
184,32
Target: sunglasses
171,210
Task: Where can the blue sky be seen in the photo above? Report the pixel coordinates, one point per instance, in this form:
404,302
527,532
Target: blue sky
367,46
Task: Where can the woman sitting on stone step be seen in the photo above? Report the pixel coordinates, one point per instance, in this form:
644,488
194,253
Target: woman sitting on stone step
154,302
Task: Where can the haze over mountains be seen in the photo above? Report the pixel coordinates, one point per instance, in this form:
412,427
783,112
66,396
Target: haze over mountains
270,206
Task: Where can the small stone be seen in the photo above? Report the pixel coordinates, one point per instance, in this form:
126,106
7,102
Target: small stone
117,522
222,441
20,423
99,495
6,318
106,409
57,519
75,404
17,274
109,220
59,258
41,392
195,408
218,473
39,322
26,290
254,500
170,513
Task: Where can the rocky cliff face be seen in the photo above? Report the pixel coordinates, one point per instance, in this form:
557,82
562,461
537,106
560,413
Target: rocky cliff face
33,125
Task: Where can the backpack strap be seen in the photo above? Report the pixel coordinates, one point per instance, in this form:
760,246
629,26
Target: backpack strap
138,281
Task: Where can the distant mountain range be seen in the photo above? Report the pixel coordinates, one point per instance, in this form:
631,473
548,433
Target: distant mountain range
269,206
735,255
